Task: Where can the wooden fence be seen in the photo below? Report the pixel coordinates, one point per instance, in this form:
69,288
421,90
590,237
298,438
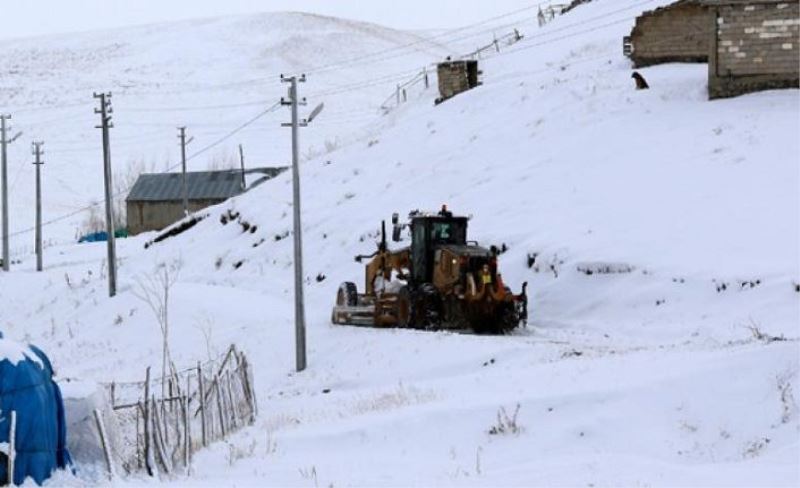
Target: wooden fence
163,421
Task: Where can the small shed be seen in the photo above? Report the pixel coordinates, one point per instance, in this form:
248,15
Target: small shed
755,45
456,77
156,200
677,33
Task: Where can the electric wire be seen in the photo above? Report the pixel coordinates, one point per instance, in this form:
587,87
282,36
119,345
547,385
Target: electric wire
346,88
124,191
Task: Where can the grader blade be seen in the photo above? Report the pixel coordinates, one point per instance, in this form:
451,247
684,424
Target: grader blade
363,315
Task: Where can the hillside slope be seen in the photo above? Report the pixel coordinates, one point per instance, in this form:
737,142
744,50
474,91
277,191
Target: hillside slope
210,75
653,376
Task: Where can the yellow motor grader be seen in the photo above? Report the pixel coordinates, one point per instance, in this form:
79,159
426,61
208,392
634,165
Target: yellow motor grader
441,281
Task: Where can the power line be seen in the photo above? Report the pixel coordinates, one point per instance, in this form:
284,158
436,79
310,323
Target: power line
39,108
371,57
200,107
125,190
384,79
373,82
574,34
390,78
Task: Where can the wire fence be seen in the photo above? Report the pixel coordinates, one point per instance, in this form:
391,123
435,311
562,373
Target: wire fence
162,422
403,91
422,78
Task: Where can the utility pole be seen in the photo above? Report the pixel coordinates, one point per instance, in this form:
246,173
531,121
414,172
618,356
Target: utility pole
36,149
241,161
4,142
299,306
184,189
105,112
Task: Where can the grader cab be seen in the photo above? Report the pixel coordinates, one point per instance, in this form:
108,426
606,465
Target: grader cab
441,281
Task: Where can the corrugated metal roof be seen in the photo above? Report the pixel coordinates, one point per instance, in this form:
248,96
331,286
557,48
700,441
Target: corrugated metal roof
201,185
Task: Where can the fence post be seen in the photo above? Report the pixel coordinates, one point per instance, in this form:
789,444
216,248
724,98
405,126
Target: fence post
425,75
161,449
101,430
202,405
164,428
12,446
251,387
148,453
405,95
187,441
138,453
219,406
234,420
249,394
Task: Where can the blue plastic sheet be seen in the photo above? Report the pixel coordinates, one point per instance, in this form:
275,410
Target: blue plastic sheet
27,387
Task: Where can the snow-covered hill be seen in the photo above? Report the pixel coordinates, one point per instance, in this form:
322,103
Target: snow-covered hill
209,75
652,376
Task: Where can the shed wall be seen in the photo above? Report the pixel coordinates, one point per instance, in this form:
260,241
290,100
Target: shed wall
755,47
149,216
456,77
681,32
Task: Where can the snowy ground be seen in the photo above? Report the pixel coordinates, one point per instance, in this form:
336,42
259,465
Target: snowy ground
646,377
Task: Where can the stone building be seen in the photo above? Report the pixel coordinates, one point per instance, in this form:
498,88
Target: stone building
755,46
456,77
156,200
680,32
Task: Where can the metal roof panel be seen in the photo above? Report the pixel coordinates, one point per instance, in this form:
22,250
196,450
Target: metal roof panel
201,185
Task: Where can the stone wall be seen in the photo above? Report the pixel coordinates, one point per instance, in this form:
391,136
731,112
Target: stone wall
680,32
755,47
456,77
148,216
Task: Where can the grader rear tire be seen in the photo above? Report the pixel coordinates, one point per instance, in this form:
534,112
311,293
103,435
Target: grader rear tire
347,296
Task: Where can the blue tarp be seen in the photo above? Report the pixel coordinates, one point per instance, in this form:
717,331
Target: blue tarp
102,236
27,387
94,237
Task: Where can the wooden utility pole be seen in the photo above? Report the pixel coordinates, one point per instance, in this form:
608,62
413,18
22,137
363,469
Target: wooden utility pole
184,187
36,149
105,112
4,142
